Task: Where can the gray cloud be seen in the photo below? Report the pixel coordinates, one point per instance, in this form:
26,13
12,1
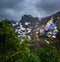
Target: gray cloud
8,3
49,6
15,9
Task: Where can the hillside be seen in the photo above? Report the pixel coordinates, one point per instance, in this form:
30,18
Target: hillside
56,17
34,32
15,49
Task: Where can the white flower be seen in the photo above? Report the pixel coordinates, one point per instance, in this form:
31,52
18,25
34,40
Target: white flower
49,34
47,41
54,36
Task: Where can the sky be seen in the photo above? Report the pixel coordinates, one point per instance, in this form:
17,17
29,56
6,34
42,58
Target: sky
15,9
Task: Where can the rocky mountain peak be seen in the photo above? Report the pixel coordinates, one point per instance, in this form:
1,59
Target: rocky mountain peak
29,19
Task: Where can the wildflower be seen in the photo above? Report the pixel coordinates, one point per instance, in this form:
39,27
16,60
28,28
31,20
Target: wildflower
42,32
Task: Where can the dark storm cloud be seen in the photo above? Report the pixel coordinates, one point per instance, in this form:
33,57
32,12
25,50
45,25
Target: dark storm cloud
49,6
8,3
15,9
6,8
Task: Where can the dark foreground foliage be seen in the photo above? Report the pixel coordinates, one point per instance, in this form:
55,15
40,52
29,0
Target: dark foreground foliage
12,50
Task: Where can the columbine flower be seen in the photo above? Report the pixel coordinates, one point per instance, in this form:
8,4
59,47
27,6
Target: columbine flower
52,25
42,32
55,32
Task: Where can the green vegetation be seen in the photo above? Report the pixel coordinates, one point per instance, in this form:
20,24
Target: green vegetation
12,50
48,54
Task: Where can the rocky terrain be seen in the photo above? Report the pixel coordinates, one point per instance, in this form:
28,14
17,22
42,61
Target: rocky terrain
40,40
34,25
32,21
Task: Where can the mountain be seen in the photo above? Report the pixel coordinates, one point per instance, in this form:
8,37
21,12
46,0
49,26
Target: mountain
55,16
43,22
29,21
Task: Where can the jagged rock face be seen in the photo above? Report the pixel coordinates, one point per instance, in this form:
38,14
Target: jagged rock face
29,19
56,17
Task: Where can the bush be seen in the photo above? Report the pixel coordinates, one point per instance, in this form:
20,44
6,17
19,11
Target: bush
48,54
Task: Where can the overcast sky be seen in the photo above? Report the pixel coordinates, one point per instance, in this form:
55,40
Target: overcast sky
15,9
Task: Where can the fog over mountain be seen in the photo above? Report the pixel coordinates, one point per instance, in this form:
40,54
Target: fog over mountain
15,9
